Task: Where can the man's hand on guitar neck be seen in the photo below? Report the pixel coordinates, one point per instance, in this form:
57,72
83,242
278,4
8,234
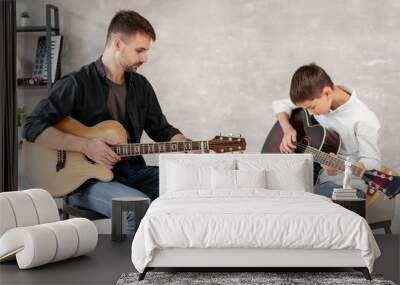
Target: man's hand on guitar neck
98,150
179,138
182,138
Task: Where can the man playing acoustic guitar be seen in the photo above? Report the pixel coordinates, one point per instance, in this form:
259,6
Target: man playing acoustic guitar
108,88
337,108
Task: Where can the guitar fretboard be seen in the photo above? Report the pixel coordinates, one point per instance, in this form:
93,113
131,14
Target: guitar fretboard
329,160
133,149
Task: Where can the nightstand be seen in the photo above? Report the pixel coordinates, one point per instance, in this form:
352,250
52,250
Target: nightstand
355,205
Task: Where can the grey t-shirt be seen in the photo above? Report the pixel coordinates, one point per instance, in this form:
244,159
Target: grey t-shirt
116,102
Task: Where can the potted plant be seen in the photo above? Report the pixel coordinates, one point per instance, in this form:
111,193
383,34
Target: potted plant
24,19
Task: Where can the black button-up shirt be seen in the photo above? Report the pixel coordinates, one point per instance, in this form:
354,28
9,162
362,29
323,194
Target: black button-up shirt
83,95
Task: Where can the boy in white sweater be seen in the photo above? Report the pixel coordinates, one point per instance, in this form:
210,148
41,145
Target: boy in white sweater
337,108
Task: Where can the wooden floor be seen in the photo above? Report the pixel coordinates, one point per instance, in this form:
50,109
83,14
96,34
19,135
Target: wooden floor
111,259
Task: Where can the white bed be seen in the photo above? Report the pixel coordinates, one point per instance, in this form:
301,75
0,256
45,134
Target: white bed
221,211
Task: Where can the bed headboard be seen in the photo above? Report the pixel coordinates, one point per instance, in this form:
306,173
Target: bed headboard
286,164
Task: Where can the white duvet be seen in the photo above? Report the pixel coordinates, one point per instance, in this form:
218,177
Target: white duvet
250,219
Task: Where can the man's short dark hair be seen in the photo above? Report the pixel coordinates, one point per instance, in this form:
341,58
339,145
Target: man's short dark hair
307,83
128,22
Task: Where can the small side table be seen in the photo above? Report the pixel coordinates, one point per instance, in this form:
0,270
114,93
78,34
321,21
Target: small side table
355,205
138,205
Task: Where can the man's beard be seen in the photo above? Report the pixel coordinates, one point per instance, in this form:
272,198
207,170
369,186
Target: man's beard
131,68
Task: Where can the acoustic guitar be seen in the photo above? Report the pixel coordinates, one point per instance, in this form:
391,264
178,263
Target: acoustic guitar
320,142
61,172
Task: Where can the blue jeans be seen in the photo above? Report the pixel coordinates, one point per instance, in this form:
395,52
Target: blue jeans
326,189
142,181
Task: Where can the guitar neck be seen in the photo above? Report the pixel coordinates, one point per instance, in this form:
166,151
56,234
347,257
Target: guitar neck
133,149
332,161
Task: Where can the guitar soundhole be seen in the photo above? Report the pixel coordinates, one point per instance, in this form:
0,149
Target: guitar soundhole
305,141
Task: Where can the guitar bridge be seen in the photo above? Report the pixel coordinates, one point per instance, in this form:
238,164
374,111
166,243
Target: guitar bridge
61,157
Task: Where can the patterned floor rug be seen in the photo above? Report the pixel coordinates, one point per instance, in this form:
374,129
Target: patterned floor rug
244,278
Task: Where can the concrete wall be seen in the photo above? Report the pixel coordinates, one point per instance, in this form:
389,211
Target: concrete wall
218,65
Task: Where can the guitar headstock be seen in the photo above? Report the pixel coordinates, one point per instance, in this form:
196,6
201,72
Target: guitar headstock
383,182
221,144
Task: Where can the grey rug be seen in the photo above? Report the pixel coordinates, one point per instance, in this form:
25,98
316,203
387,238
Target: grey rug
230,278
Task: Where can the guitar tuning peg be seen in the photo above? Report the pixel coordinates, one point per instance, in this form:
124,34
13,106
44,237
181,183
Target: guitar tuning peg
221,133
231,135
240,135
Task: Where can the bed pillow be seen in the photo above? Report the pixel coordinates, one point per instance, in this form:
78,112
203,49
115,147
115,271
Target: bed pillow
188,175
251,178
282,174
223,179
228,179
182,177
293,180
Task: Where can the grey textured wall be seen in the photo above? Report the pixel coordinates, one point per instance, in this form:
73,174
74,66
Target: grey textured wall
218,64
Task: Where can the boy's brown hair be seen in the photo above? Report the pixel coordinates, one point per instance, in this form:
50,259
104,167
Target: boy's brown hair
128,22
307,83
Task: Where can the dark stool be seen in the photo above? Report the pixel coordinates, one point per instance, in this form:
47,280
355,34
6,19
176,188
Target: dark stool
138,205
78,212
